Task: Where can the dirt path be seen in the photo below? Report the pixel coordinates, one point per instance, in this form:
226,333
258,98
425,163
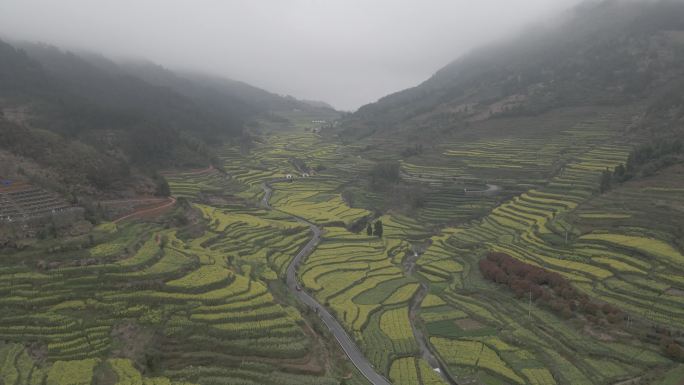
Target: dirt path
492,189
426,352
189,172
134,200
152,210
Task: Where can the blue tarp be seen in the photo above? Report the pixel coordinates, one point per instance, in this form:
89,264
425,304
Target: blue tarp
6,182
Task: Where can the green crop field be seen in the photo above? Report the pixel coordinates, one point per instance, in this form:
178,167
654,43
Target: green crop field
202,302
197,297
549,227
213,305
543,225
515,219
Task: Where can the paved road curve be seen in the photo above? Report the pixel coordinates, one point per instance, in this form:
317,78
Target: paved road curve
347,344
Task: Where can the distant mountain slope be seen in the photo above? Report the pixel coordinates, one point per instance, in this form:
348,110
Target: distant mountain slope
117,119
110,88
600,53
218,94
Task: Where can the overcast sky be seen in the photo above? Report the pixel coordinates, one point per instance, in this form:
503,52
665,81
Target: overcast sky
345,52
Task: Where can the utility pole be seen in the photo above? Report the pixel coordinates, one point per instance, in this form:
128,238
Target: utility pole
529,307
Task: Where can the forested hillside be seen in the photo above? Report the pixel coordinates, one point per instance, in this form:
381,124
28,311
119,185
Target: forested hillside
103,121
607,53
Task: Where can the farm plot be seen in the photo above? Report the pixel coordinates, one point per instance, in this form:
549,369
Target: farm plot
208,298
22,201
209,311
474,354
354,275
537,227
448,200
191,183
316,200
262,239
410,371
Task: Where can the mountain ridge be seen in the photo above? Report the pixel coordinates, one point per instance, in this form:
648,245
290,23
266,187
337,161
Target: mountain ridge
130,118
602,53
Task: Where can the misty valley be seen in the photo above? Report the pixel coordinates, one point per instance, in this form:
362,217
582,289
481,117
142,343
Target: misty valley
516,218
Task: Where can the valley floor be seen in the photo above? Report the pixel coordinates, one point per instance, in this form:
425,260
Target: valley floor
146,303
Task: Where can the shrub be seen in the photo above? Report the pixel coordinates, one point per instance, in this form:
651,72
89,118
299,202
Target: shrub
547,288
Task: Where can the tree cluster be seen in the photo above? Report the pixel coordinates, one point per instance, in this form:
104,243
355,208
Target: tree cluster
385,172
645,160
671,348
161,186
648,158
299,164
547,289
408,152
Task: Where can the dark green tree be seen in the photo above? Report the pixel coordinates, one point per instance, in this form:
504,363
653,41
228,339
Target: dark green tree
619,172
606,181
161,187
369,229
163,241
378,228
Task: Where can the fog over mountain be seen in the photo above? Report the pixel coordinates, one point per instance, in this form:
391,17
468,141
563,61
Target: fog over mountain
181,205
345,52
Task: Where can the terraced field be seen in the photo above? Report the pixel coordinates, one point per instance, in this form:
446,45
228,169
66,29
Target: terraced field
363,281
203,301
637,268
213,306
18,367
371,265
258,241
316,200
409,371
455,169
354,276
633,272
191,183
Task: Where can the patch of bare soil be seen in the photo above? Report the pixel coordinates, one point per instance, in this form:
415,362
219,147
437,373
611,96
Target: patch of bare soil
675,291
599,335
318,360
38,351
131,341
633,381
468,324
80,228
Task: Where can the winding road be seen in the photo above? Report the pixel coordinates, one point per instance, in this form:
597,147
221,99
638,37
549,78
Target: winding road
346,342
